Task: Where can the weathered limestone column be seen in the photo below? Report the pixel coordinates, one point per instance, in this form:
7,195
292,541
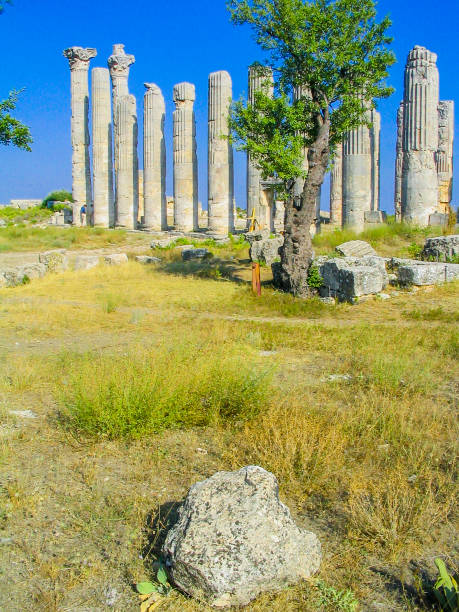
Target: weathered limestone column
375,136
220,155
119,64
420,137
154,159
79,59
259,78
445,154
357,177
185,160
336,188
104,211
127,180
399,165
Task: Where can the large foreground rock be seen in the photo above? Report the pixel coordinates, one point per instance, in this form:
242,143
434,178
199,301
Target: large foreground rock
264,248
347,278
442,248
426,273
234,539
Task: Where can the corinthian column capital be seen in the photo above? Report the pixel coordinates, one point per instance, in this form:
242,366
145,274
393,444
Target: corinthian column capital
79,57
119,62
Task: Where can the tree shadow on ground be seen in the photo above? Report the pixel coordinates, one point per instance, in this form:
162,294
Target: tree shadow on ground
212,268
416,590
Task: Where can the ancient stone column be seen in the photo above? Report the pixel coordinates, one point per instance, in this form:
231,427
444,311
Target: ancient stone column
220,155
185,160
154,159
445,154
79,59
399,165
259,78
119,64
336,188
104,211
357,177
127,179
375,137
420,137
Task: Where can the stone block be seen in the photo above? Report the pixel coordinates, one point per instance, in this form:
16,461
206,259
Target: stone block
55,261
441,248
375,216
355,248
234,539
348,278
426,273
145,259
438,219
116,259
85,262
189,254
163,243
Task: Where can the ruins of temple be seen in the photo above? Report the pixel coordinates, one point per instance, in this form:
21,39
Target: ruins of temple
117,193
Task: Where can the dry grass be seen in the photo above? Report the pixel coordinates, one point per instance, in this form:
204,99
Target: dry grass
367,461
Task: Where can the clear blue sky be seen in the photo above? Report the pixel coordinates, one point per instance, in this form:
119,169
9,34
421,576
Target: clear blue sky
178,40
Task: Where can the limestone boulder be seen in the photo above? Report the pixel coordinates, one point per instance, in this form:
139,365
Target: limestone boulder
355,248
426,273
348,278
146,259
116,259
188,254
443,248
163,243
85,262
55,261
263,247
234,539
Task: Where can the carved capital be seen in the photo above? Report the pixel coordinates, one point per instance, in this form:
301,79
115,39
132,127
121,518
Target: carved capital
153,89
119,62
79,57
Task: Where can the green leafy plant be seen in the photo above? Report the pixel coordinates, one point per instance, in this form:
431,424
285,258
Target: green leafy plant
315,281
414,250
161,585
331,599
446,589
60,195
13,131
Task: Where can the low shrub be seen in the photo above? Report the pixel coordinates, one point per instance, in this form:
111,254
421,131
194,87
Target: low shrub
60,195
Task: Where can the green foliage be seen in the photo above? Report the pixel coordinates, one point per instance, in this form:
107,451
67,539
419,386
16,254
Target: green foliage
17,215
334,52
333,600
130,396
452,220
414,250
13,131
3,3
315,281
61,195
161,585
446,589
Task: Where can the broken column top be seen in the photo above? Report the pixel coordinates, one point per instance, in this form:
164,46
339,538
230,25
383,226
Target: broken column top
184,92
153,89
119,62
79,57
421,53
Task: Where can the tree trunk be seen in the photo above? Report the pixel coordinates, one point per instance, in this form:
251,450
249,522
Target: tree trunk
297,253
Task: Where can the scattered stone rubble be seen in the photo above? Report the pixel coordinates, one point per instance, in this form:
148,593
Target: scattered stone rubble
442,248
263,247
234,539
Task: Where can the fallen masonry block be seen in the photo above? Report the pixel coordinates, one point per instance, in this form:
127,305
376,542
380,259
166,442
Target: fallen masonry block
375,216
441,248
85,262
55,261
355,248
146,259
348,278
188,254
116,259
235,539
163,243
426,273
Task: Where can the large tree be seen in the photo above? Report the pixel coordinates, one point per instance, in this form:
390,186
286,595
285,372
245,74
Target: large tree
330,59
12,131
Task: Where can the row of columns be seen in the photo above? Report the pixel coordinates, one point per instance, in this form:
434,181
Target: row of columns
116,202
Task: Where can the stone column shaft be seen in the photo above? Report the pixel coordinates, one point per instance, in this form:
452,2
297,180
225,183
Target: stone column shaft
154,159
260,79
185,160
375,136
357,177
399,165
127,183
444,156
104,212
420,137
336,188
79,59
220,155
